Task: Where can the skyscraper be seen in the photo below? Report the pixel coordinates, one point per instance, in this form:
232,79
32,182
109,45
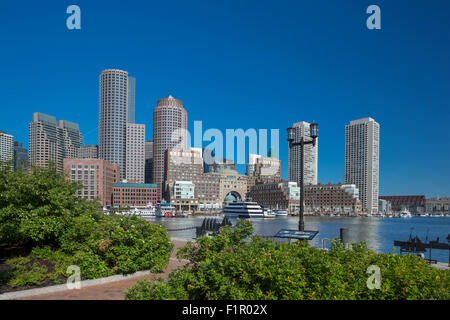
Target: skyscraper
6,148
52,141
131,99
135,153
362,145
113,114
88,152
169,131
149,161
311,156
20,156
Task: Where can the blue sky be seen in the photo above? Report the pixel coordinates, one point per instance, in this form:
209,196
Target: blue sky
247,64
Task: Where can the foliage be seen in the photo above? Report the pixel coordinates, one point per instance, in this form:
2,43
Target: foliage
39,211
229,267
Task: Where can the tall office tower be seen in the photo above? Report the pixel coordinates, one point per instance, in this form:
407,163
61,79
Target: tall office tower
362,147
169,131
6,148
20,156
310,153
88,152
135,153
52,141
112,119
70,139
149,161
131,99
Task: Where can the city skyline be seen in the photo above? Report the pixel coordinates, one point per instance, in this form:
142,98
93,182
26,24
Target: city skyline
397,99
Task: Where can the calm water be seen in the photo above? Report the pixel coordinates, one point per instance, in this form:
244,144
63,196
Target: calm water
378,233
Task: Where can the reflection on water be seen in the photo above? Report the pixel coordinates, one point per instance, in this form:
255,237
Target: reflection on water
378,233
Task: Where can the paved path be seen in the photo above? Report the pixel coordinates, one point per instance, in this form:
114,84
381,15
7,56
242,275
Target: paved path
110,291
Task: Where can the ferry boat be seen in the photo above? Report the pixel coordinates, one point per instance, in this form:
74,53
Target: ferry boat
165,210
280,213
243,209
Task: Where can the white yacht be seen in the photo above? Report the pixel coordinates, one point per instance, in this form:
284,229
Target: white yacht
405,214
241,209
165,210
268,213
280,213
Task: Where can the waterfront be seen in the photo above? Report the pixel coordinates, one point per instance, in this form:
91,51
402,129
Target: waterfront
378,233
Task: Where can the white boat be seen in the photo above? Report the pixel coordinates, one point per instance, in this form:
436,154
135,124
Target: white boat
268,213
405,214
165,210
280,213
144,211
243,209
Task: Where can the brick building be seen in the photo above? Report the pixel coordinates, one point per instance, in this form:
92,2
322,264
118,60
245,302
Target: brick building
95,175
415,203
134,194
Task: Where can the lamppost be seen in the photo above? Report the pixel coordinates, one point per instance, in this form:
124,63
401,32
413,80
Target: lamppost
291,137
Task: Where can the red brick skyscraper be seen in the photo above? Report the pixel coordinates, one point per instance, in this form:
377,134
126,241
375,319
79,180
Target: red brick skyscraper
169,116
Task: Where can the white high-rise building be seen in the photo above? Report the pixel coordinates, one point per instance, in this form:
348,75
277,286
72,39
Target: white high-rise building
112,118
311,156
362,148
6,148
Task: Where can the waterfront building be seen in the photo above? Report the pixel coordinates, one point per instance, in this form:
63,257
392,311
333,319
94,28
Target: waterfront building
135,153
438,206
332,199
281,195
88,152
414,203
384,207
6,149
113,114
184,196
149,161
169,123
219,165
134,194
20,156
267,170
52,141
131,99
97,177
362,144
310,168
210,189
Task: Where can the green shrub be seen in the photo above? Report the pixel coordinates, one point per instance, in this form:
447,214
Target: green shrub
229,267
39,211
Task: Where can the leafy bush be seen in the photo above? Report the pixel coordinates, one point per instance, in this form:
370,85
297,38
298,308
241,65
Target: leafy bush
229,267
39,211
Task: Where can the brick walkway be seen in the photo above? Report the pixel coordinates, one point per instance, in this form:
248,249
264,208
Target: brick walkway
113,290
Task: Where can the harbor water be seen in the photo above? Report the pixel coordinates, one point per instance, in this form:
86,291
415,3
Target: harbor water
378,233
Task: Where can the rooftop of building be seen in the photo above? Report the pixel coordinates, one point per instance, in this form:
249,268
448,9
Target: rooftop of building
135,185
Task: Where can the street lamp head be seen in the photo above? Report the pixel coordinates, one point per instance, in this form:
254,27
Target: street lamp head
290,134
314,130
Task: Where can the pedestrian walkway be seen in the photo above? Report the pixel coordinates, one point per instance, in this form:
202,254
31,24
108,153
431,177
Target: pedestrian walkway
113,290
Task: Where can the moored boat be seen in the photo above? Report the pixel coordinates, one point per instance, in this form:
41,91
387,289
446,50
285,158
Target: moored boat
243,209
280,213
165,210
